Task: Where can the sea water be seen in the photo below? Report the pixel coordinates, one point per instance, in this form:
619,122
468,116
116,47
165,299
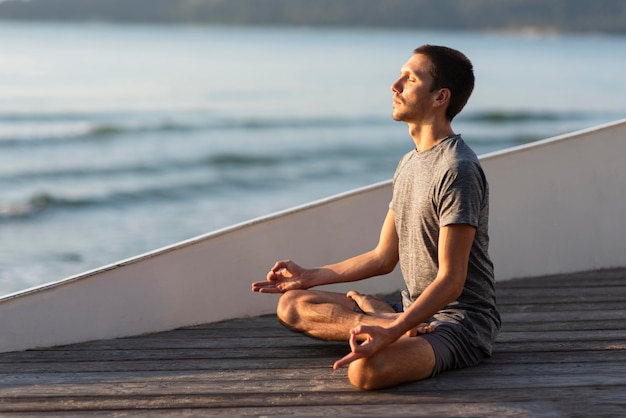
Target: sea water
118,140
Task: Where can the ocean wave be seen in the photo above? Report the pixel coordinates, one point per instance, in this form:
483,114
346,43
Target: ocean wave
218,174
239,159
43,129
120,196
34,133
38,129
522,116
213,161
43,116
52,173
42,202
37,203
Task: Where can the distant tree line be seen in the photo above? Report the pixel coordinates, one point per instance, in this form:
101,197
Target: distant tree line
549,15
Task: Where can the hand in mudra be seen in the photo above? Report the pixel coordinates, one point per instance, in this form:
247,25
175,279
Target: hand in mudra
285,275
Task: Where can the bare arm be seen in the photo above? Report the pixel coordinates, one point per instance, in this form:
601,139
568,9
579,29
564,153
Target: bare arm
286,275
455,243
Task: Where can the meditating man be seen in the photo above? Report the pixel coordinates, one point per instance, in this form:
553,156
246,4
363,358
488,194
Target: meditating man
436,227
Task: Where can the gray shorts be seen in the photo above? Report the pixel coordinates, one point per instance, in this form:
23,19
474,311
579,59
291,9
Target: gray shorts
452,348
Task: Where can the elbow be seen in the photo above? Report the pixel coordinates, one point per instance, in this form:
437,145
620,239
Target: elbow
387,265
456,292
388,268
384,262
454,286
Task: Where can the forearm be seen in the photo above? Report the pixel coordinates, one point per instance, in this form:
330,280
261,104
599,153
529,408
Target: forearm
441,292
363,266
287,275
454,246
381,260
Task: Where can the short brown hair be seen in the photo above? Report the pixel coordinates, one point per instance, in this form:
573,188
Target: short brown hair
450,69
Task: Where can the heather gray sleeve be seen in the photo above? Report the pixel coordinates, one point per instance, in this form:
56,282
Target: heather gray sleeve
461,194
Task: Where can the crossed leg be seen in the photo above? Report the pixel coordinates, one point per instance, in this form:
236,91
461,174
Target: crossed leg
331,316
409,359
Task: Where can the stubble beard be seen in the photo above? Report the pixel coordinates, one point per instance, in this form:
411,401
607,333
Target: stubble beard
404,113
400,116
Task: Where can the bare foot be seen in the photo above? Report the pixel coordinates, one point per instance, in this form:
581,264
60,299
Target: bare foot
422,328
371,305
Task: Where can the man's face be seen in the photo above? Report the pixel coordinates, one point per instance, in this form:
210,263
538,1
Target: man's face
412,98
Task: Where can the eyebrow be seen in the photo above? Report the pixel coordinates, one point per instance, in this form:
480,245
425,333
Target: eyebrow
407,71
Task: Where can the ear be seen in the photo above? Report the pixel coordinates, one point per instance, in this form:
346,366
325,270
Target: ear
442,97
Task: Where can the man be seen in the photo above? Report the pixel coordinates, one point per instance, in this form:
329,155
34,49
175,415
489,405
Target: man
436,227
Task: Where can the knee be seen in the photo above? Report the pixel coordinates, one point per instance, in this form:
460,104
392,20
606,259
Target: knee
289,306
364,375
372,373
383,370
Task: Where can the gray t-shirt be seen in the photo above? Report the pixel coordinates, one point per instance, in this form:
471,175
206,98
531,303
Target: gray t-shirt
442,186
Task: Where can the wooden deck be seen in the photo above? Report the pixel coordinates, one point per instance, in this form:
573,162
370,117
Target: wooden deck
561,353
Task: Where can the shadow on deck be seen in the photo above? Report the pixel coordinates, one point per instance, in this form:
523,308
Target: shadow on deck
561,352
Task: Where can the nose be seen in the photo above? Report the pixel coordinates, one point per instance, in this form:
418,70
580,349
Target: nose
396,87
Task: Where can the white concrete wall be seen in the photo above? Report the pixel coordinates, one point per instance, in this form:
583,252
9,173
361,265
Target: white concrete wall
202,280
559,206
556,206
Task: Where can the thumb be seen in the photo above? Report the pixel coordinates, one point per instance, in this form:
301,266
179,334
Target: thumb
347,359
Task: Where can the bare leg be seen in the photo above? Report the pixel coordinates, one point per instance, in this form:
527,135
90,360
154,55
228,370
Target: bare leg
371,305
324,315
407,360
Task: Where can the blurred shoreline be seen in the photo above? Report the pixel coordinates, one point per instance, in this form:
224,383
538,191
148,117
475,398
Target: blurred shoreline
526,17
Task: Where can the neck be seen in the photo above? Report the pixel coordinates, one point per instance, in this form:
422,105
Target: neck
427,136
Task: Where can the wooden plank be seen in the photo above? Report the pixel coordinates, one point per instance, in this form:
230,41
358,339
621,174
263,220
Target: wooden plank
564,297
168,342
598,399
552,292
562,316
94,365
582,279
299,347
546,307
586,356
584,353
454,408
23,369
560,346
260,353
549,326
618,336
517,341
276,379
457,409
596,326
